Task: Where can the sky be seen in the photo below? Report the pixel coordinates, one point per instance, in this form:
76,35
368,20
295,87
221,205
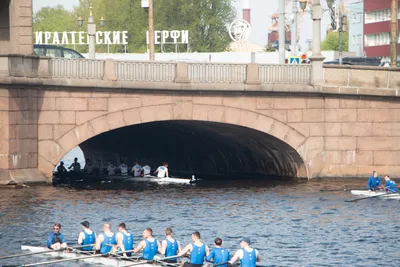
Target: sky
261,11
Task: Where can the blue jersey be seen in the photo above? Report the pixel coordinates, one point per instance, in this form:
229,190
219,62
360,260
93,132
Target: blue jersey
374,182
390,186
55,238
197,255
171,249
249,258
128,242
107,240
150,250
219,255
89,239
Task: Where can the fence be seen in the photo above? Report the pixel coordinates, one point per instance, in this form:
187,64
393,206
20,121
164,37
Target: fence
76,68
145,71
285,74
217,73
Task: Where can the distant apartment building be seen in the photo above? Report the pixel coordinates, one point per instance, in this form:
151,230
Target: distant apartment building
356,27
377,28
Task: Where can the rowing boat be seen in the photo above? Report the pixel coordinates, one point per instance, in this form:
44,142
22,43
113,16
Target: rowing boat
106,261
164,180
367,193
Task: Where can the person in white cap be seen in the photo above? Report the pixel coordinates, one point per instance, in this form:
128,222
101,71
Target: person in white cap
247,255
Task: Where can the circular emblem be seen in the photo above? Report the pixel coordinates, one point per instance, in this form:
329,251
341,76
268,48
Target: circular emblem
240,30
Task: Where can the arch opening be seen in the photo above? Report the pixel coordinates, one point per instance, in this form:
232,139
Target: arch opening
208,150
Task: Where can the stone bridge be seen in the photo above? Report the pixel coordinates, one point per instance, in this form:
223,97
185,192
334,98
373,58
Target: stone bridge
216,119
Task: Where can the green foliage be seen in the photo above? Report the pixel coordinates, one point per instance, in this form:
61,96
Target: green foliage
331,41
206,20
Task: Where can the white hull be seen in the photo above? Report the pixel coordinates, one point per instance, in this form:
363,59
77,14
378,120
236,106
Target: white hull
153,179
366,193
71,255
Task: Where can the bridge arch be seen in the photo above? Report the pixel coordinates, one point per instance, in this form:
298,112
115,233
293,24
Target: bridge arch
52,151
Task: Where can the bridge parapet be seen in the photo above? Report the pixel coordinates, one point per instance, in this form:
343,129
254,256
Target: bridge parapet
136,71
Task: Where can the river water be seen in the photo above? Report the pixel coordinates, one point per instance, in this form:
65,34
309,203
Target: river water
292,224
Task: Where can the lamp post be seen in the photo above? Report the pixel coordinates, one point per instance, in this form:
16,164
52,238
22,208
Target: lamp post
91,31
316,58
282,32
342,28
294,29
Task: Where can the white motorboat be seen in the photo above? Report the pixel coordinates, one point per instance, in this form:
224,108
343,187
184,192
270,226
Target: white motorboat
106,261
375,194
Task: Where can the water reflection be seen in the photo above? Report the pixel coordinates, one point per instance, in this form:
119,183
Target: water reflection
292,224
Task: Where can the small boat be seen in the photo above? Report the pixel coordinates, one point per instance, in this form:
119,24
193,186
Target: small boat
163,180
106,261
367,193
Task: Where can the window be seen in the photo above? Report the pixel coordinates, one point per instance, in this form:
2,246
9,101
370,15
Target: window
377,39
4,20
71,54
377,16
53,52
38,51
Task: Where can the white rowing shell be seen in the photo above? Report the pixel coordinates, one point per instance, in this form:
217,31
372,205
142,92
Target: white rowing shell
367,193
72,255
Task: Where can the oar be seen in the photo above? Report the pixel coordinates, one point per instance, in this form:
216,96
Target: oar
54,261
357,199
138,263
219,264
167,258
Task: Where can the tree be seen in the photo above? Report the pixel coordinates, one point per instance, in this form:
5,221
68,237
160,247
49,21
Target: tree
55,19
331,41
206,20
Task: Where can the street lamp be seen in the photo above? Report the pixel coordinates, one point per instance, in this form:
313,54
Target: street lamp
91,31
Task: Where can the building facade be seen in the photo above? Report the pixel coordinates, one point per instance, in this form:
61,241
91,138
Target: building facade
356,27
377,28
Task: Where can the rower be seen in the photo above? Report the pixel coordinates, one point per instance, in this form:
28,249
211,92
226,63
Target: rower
390,185
76,166
247,255
219,254
86,237
56,240
61,168
124,240
88,167
170,247
146,170
149,245
198,251
136,169
105,240
123,168
162,171
111,168
374,181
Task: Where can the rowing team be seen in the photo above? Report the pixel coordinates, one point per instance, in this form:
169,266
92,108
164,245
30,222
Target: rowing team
108,242
374,183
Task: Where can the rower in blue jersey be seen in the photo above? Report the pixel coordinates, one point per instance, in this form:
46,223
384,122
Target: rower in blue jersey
170,247
86,237
124,240
390,185
105,240
149,245
374,181
56,240
219,254
198,251
247,255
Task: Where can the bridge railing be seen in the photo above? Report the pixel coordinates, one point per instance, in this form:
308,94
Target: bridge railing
285,74
73,68
217,73
145,71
